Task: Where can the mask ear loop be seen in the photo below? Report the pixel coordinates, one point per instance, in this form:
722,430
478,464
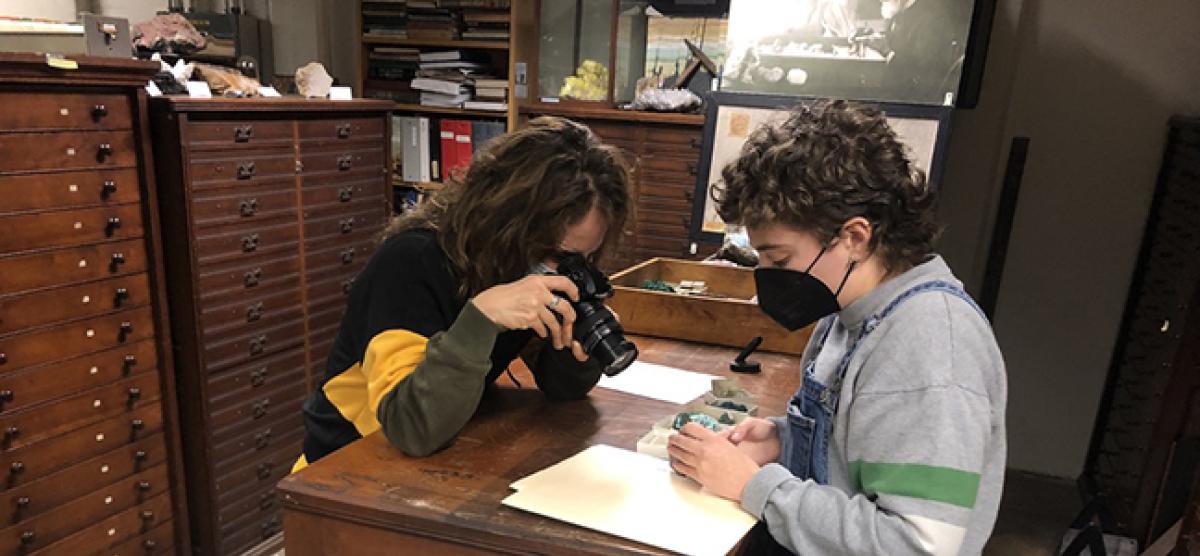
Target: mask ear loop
845,278
814,261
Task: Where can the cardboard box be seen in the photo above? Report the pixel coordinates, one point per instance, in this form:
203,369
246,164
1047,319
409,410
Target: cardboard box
725,315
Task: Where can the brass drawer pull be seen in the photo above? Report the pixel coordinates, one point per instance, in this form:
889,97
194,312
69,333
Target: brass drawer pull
346,285
695,142
134,394
264,470
16,468
118,259
28,538
343,131
266,501
6,396
262,439
107,189
130,362
691,168
150,545
120,296
252,277
689,195
99,111
346,225
257,345
136,426
245,170
104,151
260,408
257,378
147,515
143,487
112,226
10,434
243,133
139,457
345,194
348,256
254,312
249,207
125,330
250,243
345,162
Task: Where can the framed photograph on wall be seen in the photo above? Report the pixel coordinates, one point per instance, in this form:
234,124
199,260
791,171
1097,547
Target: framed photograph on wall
912,51
732,117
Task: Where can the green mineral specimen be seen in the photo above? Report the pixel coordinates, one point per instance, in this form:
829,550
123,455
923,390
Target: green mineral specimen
698,418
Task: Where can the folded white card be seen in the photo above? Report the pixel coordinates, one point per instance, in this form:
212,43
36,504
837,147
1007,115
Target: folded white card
634,496
661,383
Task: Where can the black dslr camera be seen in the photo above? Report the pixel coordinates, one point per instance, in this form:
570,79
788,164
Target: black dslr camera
595,327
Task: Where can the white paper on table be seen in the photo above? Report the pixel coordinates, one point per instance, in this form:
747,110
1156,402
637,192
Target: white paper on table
268,91
340,93
633,496
198,89
661,383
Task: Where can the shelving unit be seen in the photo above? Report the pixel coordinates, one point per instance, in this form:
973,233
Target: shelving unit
495,51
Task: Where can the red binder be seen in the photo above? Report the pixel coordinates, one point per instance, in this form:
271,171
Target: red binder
462,141
448,147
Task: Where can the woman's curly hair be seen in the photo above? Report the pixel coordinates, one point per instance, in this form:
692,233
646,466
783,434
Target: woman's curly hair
826,163
512,206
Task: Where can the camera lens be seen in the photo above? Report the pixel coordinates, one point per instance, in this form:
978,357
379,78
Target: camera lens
602,337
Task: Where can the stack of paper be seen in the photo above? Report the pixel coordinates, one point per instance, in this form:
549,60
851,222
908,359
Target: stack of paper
661,383
634,496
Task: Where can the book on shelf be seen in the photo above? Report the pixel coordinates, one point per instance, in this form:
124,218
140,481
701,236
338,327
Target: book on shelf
472,15
444,87
444,101
458,64
444,56
490,93
435,149
491,83
483,131
498,4
491,106
485,35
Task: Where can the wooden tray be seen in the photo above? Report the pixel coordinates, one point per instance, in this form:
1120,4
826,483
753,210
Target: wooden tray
726,316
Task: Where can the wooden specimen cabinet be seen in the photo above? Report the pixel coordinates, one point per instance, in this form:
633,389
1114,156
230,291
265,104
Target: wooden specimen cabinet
90,445
270,208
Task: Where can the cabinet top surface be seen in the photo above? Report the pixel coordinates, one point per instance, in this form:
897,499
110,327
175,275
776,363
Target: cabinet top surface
280,104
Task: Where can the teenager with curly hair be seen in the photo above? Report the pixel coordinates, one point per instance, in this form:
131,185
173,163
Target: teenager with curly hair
895,442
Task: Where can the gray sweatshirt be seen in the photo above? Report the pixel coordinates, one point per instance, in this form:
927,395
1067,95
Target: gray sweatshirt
916,461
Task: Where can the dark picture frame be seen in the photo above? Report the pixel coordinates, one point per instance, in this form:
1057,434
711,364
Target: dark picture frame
716,101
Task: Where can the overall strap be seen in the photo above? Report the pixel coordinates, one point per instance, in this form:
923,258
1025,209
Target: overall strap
872,322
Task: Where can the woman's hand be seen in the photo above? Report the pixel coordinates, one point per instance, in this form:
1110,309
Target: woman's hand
711,460
756,438
531,303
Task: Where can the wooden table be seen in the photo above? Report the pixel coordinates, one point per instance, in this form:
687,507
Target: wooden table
368,498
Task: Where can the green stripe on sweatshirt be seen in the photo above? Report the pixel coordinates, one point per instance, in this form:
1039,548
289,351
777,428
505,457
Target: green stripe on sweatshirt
926,482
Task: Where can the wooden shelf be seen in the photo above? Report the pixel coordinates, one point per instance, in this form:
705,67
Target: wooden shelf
601,112
401,107
424,185
437,43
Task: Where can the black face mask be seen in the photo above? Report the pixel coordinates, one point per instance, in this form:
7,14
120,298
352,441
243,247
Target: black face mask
796,299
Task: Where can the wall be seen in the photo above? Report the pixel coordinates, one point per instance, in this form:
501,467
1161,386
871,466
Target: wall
58,10
1092,85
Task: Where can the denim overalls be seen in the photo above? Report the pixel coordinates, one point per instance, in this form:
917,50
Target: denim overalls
811,412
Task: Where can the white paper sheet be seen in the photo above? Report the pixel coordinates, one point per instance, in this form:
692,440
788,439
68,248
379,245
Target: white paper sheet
661,383
634,496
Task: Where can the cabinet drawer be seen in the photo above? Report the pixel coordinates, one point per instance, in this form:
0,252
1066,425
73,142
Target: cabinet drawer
237,242
684,167
675,194
253,346
262,470
680,205
239,446
238,412
349,258
369,218
26,463
40,230
61,190
260,376
159,540
76,338
235,133
68,266
66,151
331,291
663,216
375,202
609,131
29,111
252,535
232,169
145,510
667,231
243,204
322,346
44,495
319,198
679,141
343,161
249,311
364,236
254,274
357,174
341,130
250,507
39,384
21,312
327,317
71,412
81,512
663,244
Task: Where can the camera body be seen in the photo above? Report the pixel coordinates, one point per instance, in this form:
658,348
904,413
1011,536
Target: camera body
596,329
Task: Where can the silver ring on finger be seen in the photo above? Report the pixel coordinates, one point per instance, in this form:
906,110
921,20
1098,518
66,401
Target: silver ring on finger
553,303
